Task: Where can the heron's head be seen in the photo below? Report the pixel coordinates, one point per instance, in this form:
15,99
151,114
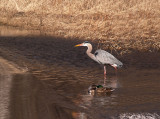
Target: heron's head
86,43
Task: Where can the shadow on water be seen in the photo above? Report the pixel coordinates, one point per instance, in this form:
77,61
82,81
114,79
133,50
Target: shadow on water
57,83
31,99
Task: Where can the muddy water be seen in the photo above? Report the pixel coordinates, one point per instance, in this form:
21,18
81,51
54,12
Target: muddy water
56,85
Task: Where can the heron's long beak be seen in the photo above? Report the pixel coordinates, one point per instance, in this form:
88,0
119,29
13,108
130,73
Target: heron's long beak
78,45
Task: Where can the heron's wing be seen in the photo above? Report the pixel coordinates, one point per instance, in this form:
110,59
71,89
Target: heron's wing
106,58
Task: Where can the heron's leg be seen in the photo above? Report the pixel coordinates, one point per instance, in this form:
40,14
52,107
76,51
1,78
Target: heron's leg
105,75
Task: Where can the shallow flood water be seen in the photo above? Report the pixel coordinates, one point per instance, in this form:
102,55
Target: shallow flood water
57,84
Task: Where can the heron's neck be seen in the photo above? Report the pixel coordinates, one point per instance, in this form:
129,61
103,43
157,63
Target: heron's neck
89,50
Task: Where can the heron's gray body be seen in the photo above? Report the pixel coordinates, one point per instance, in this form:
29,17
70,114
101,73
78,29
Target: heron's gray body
103,57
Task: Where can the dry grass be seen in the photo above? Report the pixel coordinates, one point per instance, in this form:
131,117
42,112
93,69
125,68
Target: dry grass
121,25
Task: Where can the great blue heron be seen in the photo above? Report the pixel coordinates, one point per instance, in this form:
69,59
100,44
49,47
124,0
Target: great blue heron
102,57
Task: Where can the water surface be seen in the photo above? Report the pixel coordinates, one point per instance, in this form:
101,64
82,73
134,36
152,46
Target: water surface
56,85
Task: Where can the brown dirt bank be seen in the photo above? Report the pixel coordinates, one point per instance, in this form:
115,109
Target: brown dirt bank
48,51
119,35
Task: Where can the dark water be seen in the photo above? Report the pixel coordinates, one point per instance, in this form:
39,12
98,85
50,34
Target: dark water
57,84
